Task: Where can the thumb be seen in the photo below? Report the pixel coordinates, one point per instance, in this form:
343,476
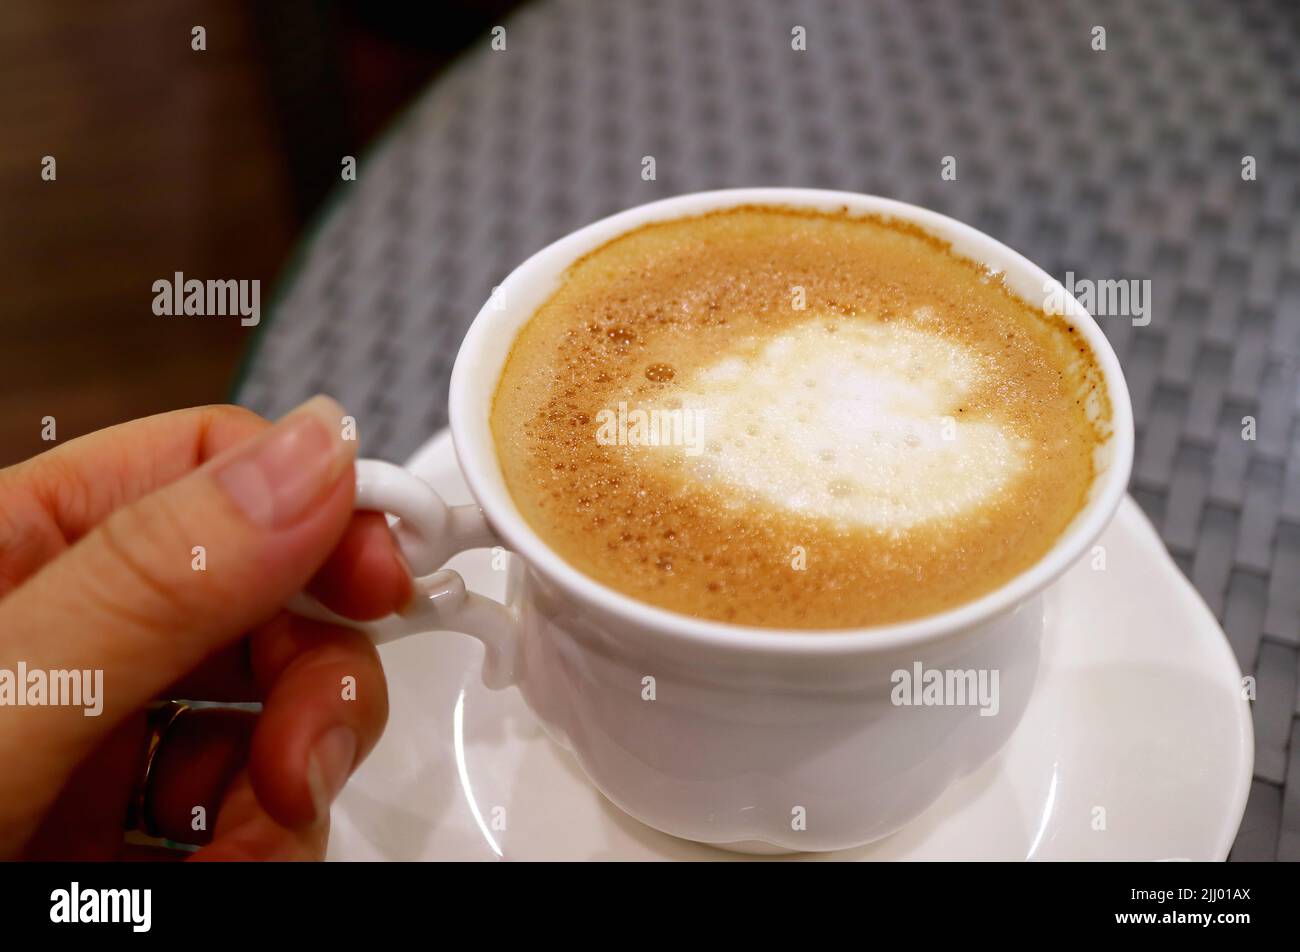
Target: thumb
138,600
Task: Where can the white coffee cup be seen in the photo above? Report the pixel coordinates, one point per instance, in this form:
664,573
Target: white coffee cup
749,738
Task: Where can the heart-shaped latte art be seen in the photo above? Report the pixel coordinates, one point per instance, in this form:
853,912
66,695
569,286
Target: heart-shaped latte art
860,422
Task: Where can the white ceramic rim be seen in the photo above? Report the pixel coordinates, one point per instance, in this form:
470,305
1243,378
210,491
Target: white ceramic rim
472,437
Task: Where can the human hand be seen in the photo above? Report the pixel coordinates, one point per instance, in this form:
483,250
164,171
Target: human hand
99,571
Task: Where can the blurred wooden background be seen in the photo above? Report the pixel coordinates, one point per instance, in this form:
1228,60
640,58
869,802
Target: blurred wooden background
169,159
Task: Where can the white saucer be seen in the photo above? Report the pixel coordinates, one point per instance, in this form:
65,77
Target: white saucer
1137,726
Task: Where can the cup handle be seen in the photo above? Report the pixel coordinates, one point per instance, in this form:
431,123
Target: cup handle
429,532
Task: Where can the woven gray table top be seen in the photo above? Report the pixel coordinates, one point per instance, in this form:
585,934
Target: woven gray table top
1122,163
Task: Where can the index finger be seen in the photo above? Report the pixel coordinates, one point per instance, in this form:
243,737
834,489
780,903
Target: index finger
52,500
80,482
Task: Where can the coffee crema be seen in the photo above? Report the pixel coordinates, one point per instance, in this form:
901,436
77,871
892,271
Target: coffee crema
795,419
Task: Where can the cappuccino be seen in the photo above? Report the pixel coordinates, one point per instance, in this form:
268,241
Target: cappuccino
796,419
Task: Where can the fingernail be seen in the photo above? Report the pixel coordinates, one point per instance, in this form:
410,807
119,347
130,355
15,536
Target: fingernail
328,766
276,480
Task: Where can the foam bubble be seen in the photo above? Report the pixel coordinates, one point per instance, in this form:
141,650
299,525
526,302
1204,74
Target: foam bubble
880,440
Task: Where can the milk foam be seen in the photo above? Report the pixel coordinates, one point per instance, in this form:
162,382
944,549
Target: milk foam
859,422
